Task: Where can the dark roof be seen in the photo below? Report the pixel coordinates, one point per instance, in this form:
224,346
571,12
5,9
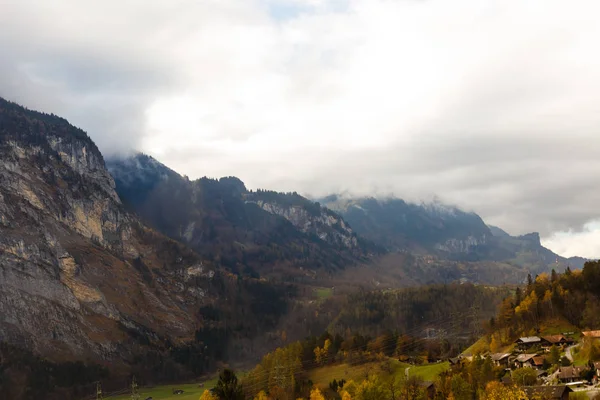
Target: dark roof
547,392
426,384
569,372
555,339
529,339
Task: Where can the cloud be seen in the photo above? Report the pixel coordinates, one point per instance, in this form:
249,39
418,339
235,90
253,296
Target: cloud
489,105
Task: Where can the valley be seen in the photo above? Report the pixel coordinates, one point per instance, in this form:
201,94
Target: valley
120,267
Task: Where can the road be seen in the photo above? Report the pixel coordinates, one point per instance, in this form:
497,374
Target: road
568,353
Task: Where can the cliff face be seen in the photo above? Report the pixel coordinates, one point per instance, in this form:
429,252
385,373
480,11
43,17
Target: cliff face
245,231
77,272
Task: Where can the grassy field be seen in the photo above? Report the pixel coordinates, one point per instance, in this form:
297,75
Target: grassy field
322,293
190,392
429,371
322,376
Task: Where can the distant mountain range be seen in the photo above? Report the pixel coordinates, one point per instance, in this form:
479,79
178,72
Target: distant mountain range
444,231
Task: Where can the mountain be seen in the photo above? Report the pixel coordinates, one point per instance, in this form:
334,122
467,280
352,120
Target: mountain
399,225
83,279
444,231
248,232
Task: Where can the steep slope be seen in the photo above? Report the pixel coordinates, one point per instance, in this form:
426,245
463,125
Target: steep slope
82,278
247,232
444,231
399,225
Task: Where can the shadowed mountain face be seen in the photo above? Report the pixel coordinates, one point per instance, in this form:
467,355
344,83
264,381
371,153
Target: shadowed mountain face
82,278
444,231
248,232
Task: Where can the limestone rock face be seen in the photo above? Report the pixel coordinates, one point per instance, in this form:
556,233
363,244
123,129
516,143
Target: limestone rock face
76,269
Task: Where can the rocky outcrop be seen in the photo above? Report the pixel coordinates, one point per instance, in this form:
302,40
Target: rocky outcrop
75,266
325,224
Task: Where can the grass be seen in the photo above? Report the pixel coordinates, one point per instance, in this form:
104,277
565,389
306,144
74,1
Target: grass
480,346
323,293
322,376
191,391
429,371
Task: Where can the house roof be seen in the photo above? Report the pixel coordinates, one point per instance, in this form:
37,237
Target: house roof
593,334
569,372
547,392
499,356
538,360
529,339
525,357
555,338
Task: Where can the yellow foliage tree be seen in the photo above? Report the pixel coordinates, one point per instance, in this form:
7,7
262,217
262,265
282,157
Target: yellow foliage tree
315,394
497,391
207,395
494,344
261,396
322,352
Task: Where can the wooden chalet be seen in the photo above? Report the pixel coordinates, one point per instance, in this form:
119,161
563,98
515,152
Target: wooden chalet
524,360
524,343
555,340
548,392
569,374
591,334
538,361
500,359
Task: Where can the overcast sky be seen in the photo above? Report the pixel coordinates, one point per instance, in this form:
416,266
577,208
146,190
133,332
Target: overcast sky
490,105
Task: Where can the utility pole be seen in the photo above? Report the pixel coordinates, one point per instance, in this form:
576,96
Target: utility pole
134,390
98,391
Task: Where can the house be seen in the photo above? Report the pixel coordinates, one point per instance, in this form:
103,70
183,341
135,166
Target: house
500,359
569,374
525,343
429,388
555,340
548,392
538,361
524,360
591,334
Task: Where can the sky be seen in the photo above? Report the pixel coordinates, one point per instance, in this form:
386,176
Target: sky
488,105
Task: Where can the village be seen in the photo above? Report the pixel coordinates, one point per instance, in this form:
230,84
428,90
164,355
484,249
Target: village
556,365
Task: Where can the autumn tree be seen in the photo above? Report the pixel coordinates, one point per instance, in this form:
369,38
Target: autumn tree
208,395
497,391
315,394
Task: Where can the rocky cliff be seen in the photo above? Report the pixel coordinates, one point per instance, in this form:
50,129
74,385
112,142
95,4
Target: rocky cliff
81,277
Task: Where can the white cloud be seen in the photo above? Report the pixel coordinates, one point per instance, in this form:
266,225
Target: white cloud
570,243
491,105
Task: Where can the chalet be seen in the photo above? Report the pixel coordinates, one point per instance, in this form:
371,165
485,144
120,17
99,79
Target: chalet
555,340
500,359
569,374
591,334
525,360
527,342
538,361
548,392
